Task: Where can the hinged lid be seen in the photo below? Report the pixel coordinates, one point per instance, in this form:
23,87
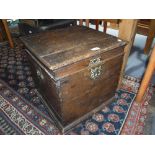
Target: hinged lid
62,47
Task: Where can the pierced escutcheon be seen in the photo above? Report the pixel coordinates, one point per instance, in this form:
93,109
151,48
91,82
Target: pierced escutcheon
95,72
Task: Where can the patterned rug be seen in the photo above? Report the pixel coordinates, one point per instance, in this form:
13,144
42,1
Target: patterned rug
23,112
18,116
135,122
110,119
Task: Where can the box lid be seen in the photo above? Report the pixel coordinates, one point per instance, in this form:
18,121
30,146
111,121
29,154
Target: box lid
58,48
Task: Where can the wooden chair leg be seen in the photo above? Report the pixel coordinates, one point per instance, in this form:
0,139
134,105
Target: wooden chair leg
3,33
8,33
104,26
81,22
97,24
145,83
1,38
87,22
150,37
147,77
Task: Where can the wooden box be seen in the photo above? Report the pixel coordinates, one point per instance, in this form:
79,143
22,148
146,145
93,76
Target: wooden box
76,70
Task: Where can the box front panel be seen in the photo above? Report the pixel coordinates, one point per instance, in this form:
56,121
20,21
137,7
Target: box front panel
89,88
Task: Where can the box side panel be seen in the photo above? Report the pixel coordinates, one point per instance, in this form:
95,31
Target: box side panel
47,86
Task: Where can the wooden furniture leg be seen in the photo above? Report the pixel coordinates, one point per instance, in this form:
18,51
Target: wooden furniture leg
104,26
3,33
97,24
147,77
150,37
81,22
105,22
87,22
1,38
4,21
127,31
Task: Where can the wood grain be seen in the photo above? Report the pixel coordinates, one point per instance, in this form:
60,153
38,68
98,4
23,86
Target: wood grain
127,32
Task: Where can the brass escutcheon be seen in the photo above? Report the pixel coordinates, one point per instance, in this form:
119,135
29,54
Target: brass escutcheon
95,72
